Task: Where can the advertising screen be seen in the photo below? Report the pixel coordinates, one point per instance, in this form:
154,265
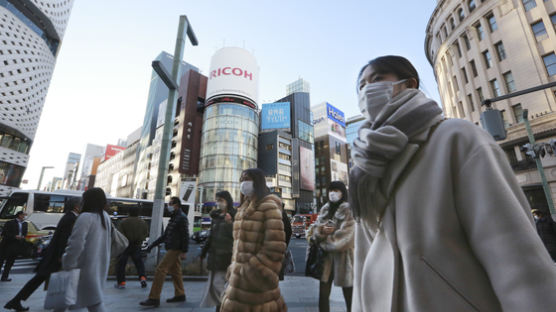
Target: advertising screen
307,168
233,72
275,116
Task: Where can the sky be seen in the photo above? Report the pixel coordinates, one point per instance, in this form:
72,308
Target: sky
98,92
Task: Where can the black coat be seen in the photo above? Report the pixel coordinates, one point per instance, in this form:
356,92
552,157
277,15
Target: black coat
288,230
220,243
52,259
176,235
10,245
546,228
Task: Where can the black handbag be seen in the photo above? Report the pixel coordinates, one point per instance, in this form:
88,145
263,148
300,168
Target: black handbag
315,261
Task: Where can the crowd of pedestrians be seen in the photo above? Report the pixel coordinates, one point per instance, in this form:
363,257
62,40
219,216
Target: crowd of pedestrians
434,219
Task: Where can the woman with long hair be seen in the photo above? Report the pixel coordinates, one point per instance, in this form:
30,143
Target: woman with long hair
333,232
259,248
442,223
89,250
219,249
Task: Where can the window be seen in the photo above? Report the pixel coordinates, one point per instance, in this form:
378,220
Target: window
471,5
510,83
10,174
466,42
505,118
461,14
518,113
452,23
470,101
473,68
456,88
16,202
480,94
480,31
456,46
305,131
553,20
487,58
538,30
495,86
444,31
491,22
528,4
500,51
464,74
550,63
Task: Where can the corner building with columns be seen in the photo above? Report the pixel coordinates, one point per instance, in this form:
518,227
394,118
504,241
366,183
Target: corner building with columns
31,32
484,49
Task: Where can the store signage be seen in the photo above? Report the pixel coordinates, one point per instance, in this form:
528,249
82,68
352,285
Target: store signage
335,114
275,116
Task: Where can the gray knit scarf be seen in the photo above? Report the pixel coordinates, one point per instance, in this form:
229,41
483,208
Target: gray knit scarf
379,143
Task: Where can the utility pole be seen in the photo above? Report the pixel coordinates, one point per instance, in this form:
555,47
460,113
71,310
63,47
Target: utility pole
540,168
172,84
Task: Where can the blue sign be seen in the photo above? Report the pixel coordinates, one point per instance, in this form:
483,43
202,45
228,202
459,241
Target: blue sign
335,114
276,116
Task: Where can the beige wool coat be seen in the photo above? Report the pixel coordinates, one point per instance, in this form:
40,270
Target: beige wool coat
457,236
258,252
338,245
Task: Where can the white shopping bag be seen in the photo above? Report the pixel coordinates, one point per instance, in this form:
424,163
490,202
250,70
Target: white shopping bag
62,289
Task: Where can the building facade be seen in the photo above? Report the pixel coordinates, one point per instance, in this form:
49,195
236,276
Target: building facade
352,128
91,152
299,85
485,49
331,152
31,32
230,123
70,172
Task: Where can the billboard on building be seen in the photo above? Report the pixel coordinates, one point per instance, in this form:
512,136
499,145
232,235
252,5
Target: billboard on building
112,150
276,116
307,168
233,73
335,115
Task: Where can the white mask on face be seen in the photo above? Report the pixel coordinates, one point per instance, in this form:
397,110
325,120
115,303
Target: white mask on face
222,205
246,188
334,196
374,96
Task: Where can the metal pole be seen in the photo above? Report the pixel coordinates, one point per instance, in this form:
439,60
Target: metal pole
160,193
540,168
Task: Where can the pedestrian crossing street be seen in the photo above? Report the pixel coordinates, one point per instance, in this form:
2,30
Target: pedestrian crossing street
24,265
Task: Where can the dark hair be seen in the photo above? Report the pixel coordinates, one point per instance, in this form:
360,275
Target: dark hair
225,195
259,182
392,64
339,185
72,203
94,201
175,200
19,213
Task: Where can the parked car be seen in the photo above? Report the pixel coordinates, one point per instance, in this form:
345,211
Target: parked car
200,236
35,241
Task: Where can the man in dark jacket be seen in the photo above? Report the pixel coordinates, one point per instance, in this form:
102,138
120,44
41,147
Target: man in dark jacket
135,230
52,260
546,227
13,243
176,239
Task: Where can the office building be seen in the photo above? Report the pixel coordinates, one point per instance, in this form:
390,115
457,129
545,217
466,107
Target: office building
352,131
230,123
331,153
30,36
485,49
91,152
70,172
299,85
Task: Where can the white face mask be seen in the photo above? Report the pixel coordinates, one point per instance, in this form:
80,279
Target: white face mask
334,196
222,205
374,96
246,188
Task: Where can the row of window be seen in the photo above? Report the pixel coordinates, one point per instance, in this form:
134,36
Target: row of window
460,14
14,143
10,174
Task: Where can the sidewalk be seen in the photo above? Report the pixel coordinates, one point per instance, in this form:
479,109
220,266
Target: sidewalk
300,293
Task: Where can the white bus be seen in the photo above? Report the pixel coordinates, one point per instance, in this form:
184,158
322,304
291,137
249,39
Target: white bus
45,209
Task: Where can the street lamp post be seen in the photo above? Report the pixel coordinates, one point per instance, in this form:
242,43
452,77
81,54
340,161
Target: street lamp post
172,84
42,174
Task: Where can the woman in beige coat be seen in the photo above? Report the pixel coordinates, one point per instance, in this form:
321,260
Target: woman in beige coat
333,231
258,251
442,224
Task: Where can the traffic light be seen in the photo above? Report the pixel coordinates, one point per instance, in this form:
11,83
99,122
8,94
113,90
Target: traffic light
551,147
529,150
539,150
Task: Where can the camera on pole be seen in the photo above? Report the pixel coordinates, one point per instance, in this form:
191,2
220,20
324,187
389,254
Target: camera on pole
529,150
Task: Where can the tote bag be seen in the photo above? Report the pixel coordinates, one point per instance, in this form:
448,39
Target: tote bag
315,261
62,289
119,243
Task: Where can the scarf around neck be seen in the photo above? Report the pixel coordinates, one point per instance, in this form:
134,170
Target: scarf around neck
379,143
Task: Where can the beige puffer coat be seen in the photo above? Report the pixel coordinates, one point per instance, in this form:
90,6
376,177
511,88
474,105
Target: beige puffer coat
259,248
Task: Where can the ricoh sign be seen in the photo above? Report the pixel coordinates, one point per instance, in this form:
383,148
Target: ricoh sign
234,73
